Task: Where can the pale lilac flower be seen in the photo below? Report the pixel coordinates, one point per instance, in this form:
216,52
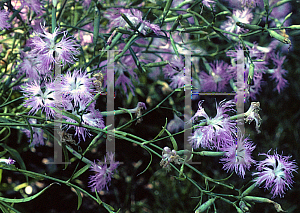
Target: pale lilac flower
218,78
243,89
168,157
176,71
180,80
38,138
278,72
244,16
238,155
3,19
7,161
104,173
38,98
35,5
45,45
77,87
218,131
276,171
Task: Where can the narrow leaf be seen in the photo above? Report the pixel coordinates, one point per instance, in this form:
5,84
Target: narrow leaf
81,171
79,198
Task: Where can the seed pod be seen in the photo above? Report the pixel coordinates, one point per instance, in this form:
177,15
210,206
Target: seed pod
157,64
250,74
279,37
205,205
249,26
257,199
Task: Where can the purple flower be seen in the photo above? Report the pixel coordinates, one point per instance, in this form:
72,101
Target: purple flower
4,19
103,174
218,131
35,5
244,16
276,172
238,155
278,72
77,87
218,78
8,161
65,49
38,98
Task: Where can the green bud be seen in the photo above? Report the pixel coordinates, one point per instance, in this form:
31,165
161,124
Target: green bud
257,199
157,64
279,37
251,73
205,205
249,26
54,2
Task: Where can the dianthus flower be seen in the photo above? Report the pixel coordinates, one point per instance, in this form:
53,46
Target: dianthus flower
217,80
45,45
77,87
4,19
278,72
244,16
217,131
39,98
103,174
35,5
238,155
276,171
